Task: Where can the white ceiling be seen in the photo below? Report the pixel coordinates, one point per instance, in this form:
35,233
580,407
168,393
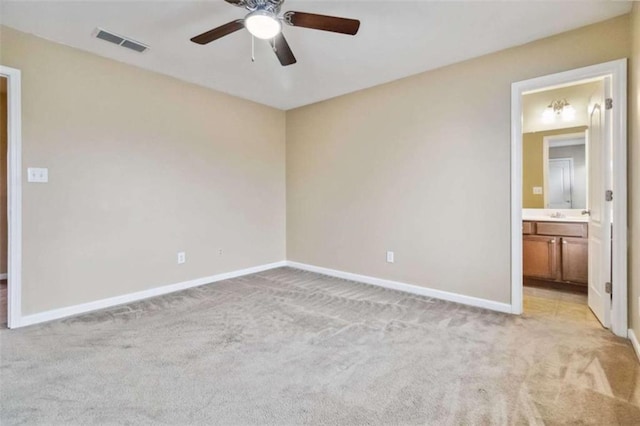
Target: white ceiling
578,95
396,39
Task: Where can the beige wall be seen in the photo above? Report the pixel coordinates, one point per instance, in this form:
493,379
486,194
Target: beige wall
634,173
141,166
532,164
3,182
420,166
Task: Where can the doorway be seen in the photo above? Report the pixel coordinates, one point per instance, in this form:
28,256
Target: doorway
4,238
13,209
564,246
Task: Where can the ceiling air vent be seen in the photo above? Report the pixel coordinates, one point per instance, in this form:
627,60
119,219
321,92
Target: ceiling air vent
120,41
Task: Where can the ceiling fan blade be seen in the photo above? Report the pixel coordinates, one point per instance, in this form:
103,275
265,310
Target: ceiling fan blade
322,22
282,50
219,32
239,3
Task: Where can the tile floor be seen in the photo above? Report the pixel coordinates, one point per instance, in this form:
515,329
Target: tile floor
559,304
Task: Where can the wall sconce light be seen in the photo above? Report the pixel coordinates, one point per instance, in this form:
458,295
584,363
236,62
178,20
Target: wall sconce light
558,108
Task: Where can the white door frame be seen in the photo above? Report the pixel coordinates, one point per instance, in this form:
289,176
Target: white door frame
14,191
618,71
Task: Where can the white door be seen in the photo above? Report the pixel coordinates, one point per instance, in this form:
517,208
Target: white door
599,156
560,176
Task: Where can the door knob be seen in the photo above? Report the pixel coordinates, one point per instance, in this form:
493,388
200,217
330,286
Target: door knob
587,212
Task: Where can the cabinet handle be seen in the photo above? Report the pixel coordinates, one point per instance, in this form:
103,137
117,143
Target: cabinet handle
552,241
564,241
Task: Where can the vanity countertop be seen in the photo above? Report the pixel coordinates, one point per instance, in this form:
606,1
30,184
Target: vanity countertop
582,219
549,215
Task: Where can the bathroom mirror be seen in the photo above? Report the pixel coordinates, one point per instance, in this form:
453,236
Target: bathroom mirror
554,169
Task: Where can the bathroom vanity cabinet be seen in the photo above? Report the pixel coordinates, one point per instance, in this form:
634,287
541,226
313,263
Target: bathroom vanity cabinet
555,251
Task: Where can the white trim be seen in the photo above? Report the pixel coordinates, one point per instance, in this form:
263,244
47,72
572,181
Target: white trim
14,192
618,70
634,342
620,229
3,276
545,172
139,295
408,288
516,198
69,311
566,139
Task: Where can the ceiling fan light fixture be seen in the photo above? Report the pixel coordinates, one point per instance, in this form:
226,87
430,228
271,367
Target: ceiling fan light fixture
263,24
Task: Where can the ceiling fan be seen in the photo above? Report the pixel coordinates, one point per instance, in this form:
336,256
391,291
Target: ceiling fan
265,22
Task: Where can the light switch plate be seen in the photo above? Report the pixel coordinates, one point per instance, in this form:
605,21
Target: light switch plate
390,257
37,175
537,190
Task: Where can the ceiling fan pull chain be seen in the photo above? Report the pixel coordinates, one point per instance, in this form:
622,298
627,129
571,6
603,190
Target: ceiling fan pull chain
253,49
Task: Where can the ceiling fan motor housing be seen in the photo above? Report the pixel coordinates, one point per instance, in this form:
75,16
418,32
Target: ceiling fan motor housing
272,6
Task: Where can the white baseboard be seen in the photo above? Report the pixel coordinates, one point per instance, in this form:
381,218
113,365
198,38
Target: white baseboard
139,295
158,291
634,342
3,276
409,288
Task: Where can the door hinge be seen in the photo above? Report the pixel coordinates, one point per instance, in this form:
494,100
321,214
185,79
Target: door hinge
608,103
608,195
607,288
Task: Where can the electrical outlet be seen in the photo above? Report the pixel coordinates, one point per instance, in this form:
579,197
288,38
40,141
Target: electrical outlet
390,257
219,252
537,190
37,175
182,257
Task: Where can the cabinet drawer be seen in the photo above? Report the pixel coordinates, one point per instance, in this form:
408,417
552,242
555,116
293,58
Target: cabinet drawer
528,228
562,229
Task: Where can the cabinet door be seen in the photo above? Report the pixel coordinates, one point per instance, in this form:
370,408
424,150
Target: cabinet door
540,257
575,253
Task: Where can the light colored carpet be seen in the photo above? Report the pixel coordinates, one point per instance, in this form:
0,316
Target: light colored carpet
292,347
